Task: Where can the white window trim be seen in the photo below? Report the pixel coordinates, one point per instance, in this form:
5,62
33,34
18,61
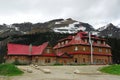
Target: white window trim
76,48
84,48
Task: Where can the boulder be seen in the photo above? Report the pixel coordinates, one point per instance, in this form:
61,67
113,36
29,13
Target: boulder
29,70
76,71
46,70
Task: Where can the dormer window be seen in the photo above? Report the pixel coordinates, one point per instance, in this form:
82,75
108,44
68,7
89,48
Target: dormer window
98,42
104,43
73,36
92,41
58,44
66,42
77,38
62,43
76,48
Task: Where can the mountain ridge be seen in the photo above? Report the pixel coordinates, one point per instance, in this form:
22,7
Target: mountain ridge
59,26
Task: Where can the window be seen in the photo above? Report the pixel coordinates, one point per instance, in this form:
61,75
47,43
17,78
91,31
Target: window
75,60
104,43
98,42
48,50
84,60
62,43
84,48
16,59
100,50
93,49
58,44
73,36
92,41
85,40
36,60
66,42
47,60
76,48
77,38
106,50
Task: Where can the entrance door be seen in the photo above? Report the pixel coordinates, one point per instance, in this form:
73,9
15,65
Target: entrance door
65,62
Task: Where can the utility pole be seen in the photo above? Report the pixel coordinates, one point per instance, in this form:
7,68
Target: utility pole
91,47
30,53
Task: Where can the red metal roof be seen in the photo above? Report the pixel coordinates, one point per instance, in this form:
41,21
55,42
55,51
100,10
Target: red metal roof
68,38
49,55
64,55
18,49
78,40
38,50
88,53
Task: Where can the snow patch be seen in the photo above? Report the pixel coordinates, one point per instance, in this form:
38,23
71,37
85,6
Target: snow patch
70,28
57,22
95,32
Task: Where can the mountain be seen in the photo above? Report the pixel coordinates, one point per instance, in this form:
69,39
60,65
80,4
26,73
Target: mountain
62,26
57,25
109,30
68,26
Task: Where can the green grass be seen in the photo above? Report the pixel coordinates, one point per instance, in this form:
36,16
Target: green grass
58,64
112,69
9,70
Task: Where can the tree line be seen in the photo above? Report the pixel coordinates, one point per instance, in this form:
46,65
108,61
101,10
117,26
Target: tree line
52,38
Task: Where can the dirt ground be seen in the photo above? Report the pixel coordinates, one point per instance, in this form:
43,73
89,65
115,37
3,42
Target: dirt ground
89,72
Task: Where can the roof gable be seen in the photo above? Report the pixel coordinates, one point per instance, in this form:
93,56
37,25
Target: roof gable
64,55
38,50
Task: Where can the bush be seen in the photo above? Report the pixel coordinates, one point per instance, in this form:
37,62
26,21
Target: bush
9,70
57,64
16,62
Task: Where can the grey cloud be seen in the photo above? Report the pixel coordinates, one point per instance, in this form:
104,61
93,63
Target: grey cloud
92,11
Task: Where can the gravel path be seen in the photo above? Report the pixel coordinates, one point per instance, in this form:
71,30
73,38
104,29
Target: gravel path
63,73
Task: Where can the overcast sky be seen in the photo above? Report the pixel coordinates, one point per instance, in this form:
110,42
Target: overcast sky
95,12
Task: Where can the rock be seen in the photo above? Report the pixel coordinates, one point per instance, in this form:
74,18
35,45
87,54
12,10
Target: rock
37,68
76,71
29,70
36,65
46,70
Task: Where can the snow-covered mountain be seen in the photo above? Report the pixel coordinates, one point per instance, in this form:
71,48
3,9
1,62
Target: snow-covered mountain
59,26
109,30
72,26
109,26
63,26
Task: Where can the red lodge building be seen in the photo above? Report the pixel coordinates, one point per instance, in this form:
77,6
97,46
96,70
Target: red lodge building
70,50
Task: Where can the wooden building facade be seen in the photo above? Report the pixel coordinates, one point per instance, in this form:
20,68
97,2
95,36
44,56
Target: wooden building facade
71,50
78,46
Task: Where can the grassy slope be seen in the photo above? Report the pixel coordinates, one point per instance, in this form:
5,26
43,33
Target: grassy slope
9,70
112,69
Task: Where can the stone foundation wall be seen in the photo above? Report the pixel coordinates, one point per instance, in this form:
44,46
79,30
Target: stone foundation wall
77,59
